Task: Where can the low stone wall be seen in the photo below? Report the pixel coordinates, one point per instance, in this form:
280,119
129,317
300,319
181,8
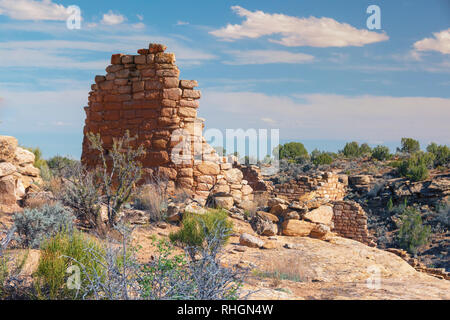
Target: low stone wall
350,221
325,186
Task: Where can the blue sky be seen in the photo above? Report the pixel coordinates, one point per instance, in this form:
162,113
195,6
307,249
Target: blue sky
310,68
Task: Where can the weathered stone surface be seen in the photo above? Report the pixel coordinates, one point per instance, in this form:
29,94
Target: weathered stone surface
323,214
264,224
8,146
320,231
297,228
279,209
250,241
210,168
6,169
233,176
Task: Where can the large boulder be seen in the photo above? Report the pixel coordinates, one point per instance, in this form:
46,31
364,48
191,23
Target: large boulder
250,241
264,224
320,231
323,214
23,157
297,228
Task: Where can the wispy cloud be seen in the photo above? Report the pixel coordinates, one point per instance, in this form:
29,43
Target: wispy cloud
111,18
33,10
312,31
440,42
267,56
329,116
182,23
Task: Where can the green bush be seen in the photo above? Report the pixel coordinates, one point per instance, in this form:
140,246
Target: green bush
58,163
34,225
197,227
321,157
381,153
365,150
57,255
409,146
292,151
415,168
412,233
441,154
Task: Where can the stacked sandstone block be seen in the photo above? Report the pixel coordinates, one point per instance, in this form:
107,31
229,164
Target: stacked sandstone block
325,186
350,221
143,94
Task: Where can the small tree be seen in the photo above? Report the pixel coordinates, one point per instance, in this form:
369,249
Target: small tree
381,153
365,150
441,153
292,151
120,171
412,233
351,150
409,146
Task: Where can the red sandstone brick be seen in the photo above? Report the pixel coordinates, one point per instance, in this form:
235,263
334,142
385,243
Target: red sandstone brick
116,58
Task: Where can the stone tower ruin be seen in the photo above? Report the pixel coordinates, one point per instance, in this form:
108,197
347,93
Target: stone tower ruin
143,94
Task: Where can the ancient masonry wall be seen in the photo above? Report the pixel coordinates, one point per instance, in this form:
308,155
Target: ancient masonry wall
143,94
325,186
350,221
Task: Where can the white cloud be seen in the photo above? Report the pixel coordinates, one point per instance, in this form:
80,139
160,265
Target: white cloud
267,56
182,23
331,117
140,17
59,54
33,10
440,42
111,18
312,31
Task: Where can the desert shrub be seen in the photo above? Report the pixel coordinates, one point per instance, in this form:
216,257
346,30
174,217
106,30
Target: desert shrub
292,151
59,164
321,158
34,225
58,253
121,170
441,154
409,146
82,193
416,166
110,271
174,277
412,233
197,228
381,153
153,197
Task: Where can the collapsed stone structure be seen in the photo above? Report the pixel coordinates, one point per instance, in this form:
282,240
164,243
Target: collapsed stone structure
17,174
350,221
325,186
143,94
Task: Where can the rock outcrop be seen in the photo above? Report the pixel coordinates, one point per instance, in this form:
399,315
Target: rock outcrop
17,174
